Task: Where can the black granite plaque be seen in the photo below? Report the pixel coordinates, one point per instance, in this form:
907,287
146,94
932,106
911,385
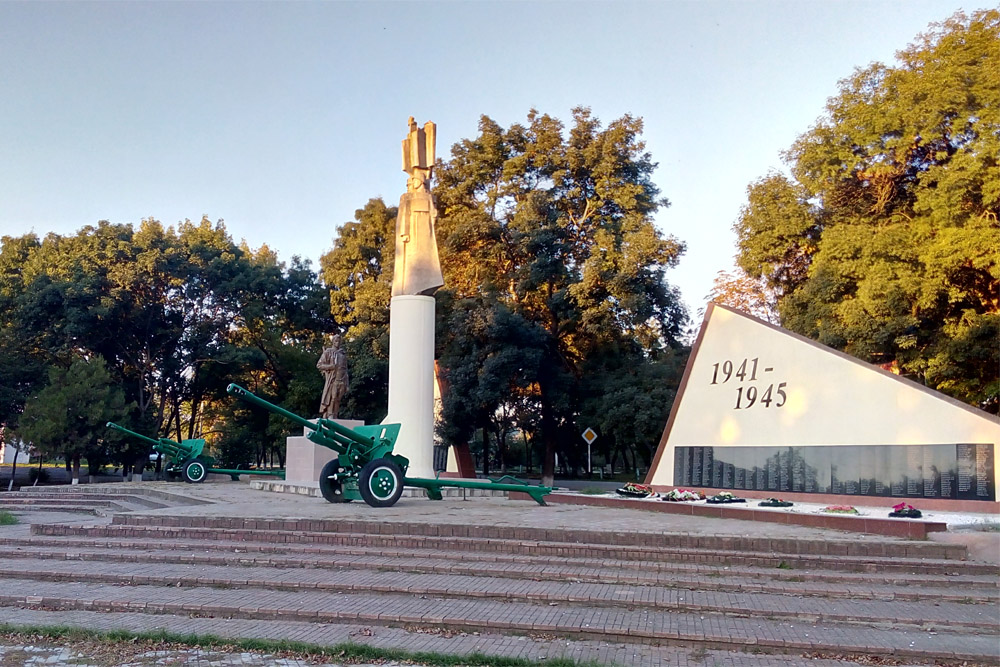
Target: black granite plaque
897,468
962,471
914,470
966,460
984,473
697,459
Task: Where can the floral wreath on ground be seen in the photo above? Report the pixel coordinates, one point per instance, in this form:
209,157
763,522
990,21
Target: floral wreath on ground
840,509
633,490
683,495
775,502
905,511
724,497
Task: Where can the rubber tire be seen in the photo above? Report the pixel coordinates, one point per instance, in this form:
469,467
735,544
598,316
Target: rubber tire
331,488
387,479
195,477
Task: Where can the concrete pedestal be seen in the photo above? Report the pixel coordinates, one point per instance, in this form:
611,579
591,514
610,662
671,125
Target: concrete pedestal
411,380
304,459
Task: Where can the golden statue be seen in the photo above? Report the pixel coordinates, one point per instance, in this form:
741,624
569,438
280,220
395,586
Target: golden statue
417,269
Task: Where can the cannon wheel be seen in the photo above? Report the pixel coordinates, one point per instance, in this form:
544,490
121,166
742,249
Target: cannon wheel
331,488
194,471
381,483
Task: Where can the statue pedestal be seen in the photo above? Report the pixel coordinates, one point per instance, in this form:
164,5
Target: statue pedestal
411,380
304,459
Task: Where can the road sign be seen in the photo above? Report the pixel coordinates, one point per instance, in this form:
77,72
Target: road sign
589,436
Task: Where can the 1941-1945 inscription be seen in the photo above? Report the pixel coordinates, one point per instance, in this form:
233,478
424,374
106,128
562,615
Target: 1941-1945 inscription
749,395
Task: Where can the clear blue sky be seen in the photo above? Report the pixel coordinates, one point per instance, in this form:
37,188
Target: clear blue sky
284,118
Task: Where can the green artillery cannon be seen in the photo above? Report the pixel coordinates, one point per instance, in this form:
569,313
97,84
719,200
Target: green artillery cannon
365,467
187,458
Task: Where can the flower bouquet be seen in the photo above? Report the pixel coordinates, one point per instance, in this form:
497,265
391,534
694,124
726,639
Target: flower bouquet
905,511
724,497
775,502
840,509
683,495
633,490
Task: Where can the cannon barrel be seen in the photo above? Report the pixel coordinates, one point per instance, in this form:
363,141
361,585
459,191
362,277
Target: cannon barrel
116,427
334,440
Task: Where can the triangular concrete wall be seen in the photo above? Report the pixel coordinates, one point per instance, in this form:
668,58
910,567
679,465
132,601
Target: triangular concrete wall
818,396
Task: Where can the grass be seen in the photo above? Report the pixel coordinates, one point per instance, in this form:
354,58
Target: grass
7,519
592,491
783,566
346,652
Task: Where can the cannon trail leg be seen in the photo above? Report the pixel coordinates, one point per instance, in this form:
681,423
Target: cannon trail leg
380,483
329,483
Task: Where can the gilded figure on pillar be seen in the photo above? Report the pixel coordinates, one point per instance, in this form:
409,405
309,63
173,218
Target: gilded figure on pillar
417,269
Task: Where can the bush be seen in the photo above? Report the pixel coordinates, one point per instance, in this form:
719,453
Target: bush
41,475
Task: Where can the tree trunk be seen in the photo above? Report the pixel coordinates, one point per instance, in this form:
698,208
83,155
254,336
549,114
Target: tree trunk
486,451
13,467
76,470
39,475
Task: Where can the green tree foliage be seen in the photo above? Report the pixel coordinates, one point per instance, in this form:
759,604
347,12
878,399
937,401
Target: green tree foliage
751,295
358,272
177,312
491,357
885,242
557,226
67,418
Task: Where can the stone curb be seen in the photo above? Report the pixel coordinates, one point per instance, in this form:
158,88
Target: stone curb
638,540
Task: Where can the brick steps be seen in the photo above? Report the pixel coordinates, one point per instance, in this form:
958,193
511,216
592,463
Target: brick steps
610,624
742,580
941,616
139,494
640,542
531,646
559,550
115,501
93,510
641,598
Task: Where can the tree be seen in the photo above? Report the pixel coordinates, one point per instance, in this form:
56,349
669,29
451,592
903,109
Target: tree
491,357
178,313
885,242
751,295
68,416
358,273
559,229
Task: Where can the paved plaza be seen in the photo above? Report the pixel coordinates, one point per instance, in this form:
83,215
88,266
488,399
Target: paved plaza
482,575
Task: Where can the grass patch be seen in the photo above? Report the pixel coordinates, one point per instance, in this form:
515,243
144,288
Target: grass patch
783,566
592,491
346,652
7,519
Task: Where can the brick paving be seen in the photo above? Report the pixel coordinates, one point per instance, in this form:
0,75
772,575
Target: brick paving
616,586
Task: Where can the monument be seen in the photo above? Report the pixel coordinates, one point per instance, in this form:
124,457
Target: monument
333,365
416,276
765,410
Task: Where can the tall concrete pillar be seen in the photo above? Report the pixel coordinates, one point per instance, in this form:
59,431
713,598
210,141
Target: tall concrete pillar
411,380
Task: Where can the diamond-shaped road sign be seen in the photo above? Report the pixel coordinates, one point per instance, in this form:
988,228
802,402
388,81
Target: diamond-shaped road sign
589,436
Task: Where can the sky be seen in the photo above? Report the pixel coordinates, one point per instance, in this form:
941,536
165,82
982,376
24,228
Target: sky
284,118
